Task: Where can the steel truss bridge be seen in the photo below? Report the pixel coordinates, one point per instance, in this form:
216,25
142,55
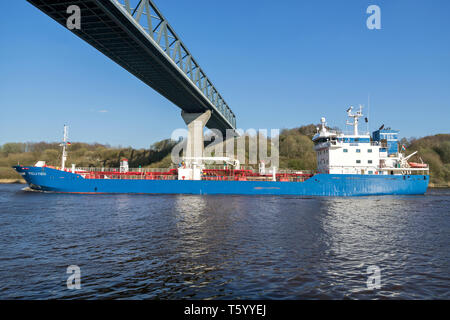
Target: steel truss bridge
136,35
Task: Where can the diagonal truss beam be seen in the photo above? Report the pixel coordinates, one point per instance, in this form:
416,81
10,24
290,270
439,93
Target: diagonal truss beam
148,16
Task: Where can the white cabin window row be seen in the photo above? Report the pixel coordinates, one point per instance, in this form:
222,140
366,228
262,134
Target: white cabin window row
359,150
368,161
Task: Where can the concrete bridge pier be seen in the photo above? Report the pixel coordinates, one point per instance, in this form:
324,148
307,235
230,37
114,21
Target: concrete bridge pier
196,123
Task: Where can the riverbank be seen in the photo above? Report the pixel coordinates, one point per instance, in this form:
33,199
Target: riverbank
439,186
9,181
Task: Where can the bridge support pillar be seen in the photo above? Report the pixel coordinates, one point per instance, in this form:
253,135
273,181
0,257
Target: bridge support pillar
196,123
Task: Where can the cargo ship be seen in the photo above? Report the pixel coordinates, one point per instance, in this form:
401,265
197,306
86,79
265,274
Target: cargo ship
351,164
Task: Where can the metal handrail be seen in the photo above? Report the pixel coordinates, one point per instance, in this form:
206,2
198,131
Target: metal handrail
129,177
143,170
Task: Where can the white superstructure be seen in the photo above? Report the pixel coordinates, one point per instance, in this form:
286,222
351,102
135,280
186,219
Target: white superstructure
339,153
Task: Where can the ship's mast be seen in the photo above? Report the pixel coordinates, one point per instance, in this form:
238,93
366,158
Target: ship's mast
355,117
64,151
324,124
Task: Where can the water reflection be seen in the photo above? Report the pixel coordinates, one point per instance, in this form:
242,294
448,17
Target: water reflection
123,202
364,232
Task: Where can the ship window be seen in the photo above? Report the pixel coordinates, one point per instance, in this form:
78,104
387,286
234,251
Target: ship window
345,150
358,161
370,172
370,161
369,150
358,150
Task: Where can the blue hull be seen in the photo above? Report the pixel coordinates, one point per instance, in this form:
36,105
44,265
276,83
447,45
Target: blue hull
48,179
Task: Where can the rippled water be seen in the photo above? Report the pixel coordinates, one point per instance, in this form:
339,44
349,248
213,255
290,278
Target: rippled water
223,247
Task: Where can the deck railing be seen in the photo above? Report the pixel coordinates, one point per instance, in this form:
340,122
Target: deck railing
96,169
129,177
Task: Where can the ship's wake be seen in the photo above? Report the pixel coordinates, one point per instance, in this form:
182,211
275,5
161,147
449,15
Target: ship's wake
28,189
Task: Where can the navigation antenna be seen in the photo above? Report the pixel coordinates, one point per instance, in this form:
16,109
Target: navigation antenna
368,113
355,117
64,145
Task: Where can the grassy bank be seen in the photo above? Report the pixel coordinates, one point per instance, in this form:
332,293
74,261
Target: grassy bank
9,181
8,175
439,186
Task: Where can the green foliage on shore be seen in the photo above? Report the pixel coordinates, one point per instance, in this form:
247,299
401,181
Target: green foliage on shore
82,154
434,150
296,152
297,149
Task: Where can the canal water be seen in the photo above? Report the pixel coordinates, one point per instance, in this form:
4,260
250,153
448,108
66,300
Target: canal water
224,247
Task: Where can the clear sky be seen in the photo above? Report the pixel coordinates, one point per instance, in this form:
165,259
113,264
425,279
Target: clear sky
278,64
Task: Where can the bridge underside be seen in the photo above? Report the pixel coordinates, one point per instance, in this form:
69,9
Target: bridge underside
107,29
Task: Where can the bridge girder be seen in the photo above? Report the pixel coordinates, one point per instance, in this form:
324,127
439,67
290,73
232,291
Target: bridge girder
141,40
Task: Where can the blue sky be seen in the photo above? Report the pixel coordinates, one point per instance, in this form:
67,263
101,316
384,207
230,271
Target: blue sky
278,64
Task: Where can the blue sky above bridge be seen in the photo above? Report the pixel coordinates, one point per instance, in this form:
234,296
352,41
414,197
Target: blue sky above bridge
278,64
